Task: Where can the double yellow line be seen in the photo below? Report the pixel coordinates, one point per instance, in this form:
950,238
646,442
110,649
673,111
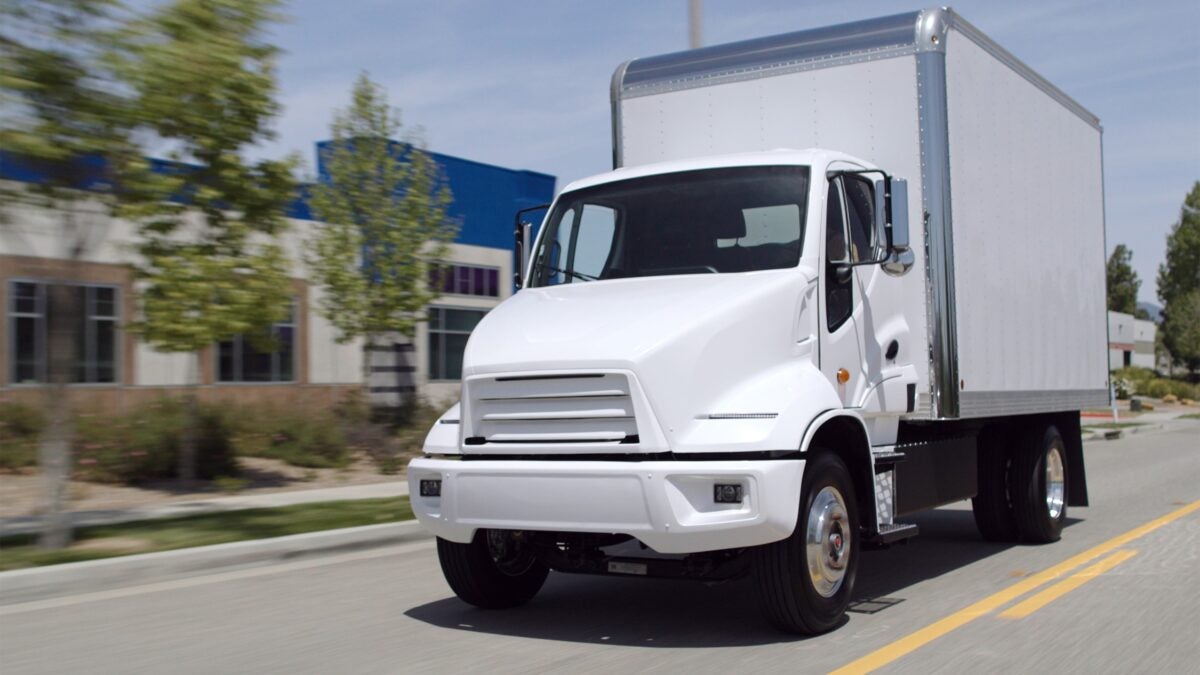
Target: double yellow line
933,631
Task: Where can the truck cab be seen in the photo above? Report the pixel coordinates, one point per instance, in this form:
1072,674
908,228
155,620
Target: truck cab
687,332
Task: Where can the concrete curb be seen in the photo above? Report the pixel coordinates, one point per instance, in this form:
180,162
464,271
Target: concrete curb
39,583
31,524
1114,434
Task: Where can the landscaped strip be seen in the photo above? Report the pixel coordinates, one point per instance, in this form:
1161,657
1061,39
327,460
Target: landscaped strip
149,536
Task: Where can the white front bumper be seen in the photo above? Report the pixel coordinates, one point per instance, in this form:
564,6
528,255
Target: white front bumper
668,506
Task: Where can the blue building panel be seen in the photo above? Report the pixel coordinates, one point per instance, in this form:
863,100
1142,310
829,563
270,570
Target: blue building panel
485,197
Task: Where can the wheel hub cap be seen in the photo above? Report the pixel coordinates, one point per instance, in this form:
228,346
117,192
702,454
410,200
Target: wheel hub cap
1055,482
827,541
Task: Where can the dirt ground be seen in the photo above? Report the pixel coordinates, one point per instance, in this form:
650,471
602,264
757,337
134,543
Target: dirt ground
20,493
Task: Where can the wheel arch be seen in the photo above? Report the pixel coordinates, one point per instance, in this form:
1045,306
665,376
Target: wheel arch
844,434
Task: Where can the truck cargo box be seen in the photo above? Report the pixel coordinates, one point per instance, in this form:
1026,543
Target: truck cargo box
1008,229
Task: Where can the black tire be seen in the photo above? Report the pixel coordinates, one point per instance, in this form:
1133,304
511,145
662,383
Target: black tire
789,596
991,504
477,578
1037,521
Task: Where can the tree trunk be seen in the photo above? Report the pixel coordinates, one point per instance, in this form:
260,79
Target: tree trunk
368,342
54,447
186,469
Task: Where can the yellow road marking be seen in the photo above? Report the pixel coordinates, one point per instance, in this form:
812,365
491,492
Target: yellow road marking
1031,605
913,641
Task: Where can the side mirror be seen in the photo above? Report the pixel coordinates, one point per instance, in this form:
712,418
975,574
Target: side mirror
897,200
891,213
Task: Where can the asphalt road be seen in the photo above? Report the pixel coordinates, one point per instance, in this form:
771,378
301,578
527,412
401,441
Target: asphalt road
388,610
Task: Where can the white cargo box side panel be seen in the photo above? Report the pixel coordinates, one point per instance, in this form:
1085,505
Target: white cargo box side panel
1028,239
867,109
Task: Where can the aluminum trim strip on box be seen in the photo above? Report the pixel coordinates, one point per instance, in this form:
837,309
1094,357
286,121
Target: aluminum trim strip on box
614,97
939,240
884,37
996,403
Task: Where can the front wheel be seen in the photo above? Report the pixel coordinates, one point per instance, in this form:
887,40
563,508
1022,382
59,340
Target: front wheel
497,570
805,581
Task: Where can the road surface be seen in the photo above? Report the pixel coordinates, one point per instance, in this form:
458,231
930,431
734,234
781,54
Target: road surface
1125,601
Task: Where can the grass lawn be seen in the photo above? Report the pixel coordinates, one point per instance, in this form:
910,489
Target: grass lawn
147,536
1191,416
1114,425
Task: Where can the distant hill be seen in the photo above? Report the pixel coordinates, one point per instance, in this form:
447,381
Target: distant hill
1153,310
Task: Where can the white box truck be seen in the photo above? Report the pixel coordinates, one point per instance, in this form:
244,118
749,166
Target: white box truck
836,276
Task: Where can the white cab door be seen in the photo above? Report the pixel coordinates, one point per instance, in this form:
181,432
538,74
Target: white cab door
841,343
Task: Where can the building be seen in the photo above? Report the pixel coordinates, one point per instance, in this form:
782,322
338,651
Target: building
117,370
1130,341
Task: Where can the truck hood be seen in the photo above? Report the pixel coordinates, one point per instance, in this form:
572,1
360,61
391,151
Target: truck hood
687,339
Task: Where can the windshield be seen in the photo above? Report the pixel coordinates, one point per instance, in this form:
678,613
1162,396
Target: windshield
712,221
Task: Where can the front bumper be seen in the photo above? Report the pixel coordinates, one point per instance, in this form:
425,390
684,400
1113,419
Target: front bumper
666,505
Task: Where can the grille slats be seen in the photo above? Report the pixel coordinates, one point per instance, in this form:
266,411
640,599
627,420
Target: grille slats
589,408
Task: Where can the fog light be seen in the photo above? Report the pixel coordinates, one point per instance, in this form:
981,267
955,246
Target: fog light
724,493
431,488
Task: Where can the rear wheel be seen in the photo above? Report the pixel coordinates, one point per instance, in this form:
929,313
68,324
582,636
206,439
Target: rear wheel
497,570
1038,484
805,581
991,505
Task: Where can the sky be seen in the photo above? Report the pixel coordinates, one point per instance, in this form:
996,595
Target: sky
524,84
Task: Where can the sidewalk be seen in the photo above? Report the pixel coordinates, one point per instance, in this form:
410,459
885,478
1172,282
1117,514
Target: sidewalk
31,524
1152,421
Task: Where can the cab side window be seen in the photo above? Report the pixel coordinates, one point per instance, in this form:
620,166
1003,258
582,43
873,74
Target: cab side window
860,209
839,299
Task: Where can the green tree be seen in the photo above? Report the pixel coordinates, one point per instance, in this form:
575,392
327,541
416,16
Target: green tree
1123,282
383,205
1179,282
211,267
1181,330
62,119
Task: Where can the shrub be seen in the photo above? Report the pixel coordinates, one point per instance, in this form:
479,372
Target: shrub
1135,374
310,440
144,444
20,426
1158,388
1122,387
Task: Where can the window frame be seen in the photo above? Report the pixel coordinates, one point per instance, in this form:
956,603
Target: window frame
238,343
452,268
830,265
430,333
42,319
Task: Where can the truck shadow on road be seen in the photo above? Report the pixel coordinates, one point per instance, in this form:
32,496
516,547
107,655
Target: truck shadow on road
667,613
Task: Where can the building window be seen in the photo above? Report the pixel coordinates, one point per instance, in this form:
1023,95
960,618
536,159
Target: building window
450,279
242,360
448,333
93,325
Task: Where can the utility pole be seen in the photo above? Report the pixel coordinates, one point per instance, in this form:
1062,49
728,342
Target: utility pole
694,23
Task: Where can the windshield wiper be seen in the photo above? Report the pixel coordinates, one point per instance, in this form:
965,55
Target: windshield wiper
571,273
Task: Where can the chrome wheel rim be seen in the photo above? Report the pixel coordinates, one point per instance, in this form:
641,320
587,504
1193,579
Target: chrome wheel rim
1056,487
827,541
511,553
